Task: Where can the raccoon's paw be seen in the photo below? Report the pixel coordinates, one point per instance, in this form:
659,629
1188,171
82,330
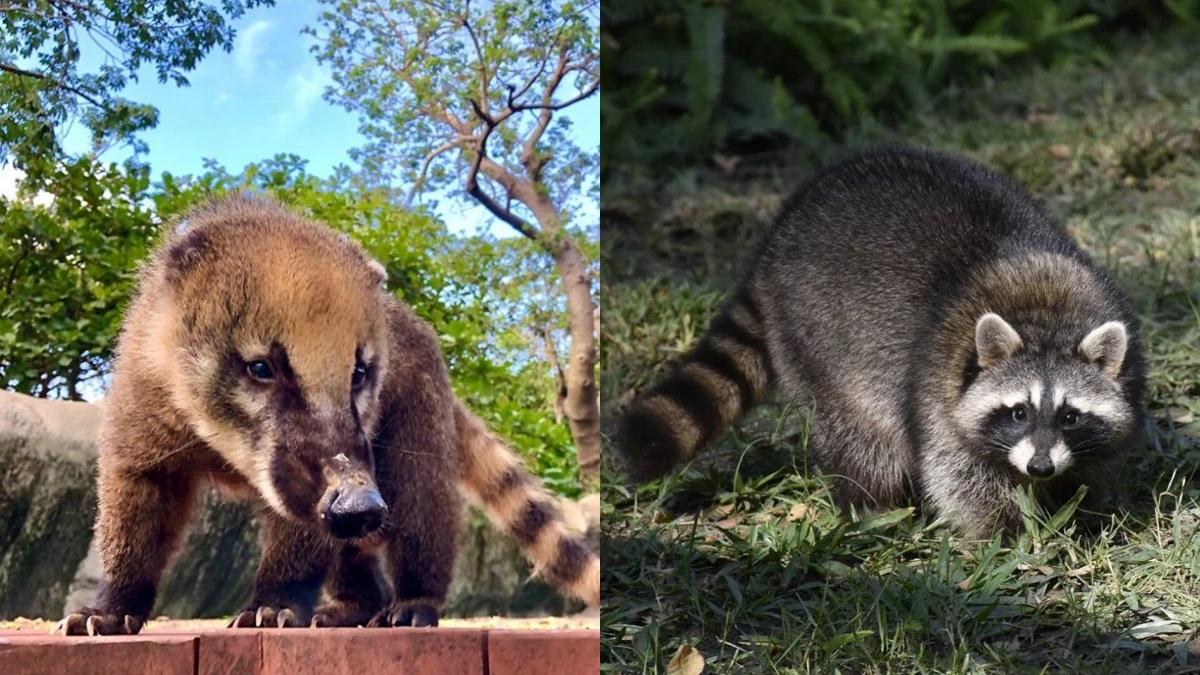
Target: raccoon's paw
89,621
268,617
404,614
334,614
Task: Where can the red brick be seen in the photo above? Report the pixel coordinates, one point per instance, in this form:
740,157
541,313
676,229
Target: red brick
230,652
49,655
543,652
373,651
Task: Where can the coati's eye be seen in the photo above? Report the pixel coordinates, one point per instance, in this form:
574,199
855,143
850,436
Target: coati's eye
1070,419
260,370
1019,413
359,376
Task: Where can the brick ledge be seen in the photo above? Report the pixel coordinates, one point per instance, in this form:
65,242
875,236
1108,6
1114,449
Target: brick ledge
298,651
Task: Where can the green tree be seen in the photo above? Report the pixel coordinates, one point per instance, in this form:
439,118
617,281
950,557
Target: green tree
67,269
465,96
42,87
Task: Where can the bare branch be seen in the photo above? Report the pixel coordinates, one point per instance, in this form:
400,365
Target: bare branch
483,76
560,378
474,189
547,107
433,154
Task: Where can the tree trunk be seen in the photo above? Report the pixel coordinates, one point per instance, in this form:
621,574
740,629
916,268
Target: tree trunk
581,404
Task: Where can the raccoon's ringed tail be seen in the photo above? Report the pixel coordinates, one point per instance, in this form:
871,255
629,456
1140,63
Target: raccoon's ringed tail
725,375
518,504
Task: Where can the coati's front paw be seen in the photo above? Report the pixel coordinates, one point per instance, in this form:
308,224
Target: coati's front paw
268,617
336,614
89,621
415,614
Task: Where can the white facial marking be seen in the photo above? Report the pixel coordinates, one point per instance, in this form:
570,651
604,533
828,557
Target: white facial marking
1035,394
1020,454
1106,410
1062,457
1012,398
267,489
1058,395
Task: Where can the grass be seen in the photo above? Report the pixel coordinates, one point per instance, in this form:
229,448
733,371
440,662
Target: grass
743,557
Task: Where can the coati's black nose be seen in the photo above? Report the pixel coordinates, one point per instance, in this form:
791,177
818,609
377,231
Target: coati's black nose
356,511
1040,467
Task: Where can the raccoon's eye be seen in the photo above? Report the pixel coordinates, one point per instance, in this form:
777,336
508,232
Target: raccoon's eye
1070,419
359,376
260,370
1019,413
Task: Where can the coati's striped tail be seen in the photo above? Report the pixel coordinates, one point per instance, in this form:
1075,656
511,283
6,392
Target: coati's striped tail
518,504
712,386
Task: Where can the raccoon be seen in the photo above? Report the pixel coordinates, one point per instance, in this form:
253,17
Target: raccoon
954,340
261,354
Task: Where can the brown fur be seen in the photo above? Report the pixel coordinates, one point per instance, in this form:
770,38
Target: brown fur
245,278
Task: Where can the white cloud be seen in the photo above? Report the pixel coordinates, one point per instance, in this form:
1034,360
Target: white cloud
247,46
223,96
307,85
9,177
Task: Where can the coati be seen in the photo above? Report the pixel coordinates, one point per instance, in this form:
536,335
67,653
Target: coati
261,353
954,340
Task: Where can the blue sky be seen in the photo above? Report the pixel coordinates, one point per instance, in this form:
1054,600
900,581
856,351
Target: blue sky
265,98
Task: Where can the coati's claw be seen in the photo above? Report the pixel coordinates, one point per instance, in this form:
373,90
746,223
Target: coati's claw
335,615
89,623
266,617
243,620
286,618
416,616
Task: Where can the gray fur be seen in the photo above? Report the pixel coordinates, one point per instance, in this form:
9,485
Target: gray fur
869,296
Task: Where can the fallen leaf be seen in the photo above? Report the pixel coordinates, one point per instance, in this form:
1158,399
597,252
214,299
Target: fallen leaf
1156,627
726,163
687,661
1086,569
730,523
798,512
1060,150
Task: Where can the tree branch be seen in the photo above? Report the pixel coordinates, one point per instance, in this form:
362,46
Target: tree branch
483,76
57,83
474,189
560,379
433,154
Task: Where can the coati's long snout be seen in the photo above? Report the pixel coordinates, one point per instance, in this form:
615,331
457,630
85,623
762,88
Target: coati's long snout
352,509
351,505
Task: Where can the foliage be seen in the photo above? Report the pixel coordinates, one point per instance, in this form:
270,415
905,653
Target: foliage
745,559
67,270
410,69
42,85
72,265
688,77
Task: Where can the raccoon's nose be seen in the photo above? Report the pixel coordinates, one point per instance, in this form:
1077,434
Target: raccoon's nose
1040,467
356,511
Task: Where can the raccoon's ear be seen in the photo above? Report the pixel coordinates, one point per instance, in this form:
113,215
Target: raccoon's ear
995,340
1106,346
189,247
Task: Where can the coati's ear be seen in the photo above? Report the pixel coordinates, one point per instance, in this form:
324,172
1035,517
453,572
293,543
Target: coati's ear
1106,346
379,270
995,340
188,249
